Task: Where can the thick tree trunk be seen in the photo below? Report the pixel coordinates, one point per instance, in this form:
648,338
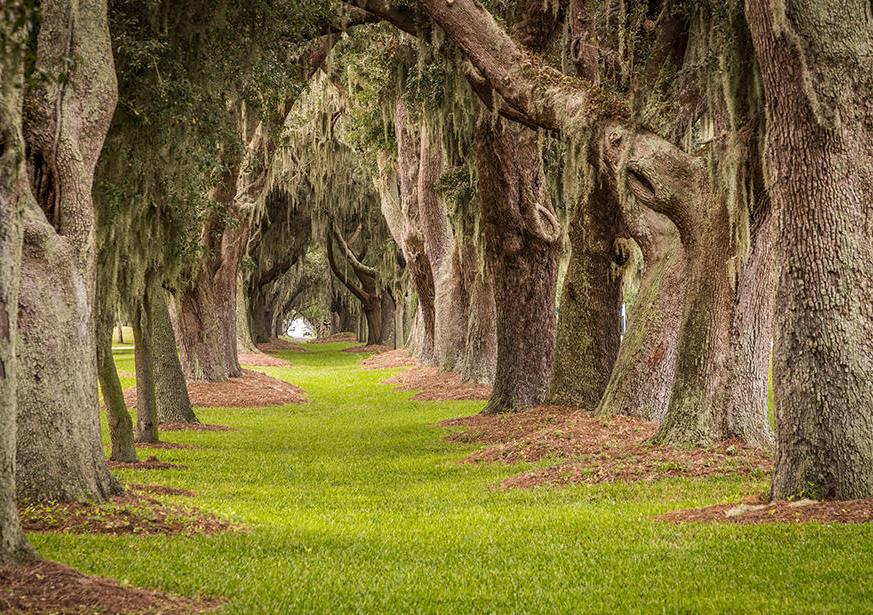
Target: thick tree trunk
118,418
146,390
13,189
201,336
641,382
521,237
589,326
233,245
59,454
818,82
171,390
245,341
479,361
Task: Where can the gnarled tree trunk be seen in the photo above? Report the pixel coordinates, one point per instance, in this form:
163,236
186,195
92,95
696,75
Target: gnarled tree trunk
59,454
522,246
118,418
144,357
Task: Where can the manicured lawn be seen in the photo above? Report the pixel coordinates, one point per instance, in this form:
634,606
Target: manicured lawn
356,503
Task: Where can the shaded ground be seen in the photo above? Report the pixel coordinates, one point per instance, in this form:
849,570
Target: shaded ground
345,336
596,449
47,587
149,463
261,359
131,513
389,360
756,510
251,390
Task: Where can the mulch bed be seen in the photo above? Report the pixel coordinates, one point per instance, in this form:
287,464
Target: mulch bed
345,336
164,445
159,490
251,390
193,427
369,348
597,449
149,463
48,587
131,513
434,384
260,359
277,344
756,510
389,360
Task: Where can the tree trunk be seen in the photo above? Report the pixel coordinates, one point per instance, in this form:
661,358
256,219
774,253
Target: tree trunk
818,81
479,360
13,189
201,336
521,241
641,382
245,341
59,454
144,356
171,390
589,327
118,418
120,333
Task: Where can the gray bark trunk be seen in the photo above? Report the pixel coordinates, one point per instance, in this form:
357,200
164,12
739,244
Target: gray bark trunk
521,240
59,453
818,79
201,337
171,390
589,327
144,357
13,189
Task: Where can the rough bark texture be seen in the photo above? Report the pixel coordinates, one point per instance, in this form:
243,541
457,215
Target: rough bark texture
641,382
522,247
172,401
201,337
117,415
817,63
589,326
59,454
144,356
13,189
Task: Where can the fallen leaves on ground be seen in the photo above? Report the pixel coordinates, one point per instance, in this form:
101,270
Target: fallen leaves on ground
756,510
251,390
595,449
48,587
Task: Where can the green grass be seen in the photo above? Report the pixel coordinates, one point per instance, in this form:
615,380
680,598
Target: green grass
356,503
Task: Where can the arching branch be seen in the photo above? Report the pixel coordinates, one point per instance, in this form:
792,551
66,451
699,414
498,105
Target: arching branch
359,267
357,291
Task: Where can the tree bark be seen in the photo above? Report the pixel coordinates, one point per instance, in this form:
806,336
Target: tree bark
201,336
589,327
171,391
818,79
521,241
144,357
59,453
118,418
13,189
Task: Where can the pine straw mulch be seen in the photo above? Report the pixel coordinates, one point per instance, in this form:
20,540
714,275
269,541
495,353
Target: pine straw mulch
149,463
49,587
344,336
260,359
757,510
251,390
434,384
193,427
369,348
389,360
159,490
130,513
596,449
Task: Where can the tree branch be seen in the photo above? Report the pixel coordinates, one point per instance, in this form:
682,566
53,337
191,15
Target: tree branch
358,292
